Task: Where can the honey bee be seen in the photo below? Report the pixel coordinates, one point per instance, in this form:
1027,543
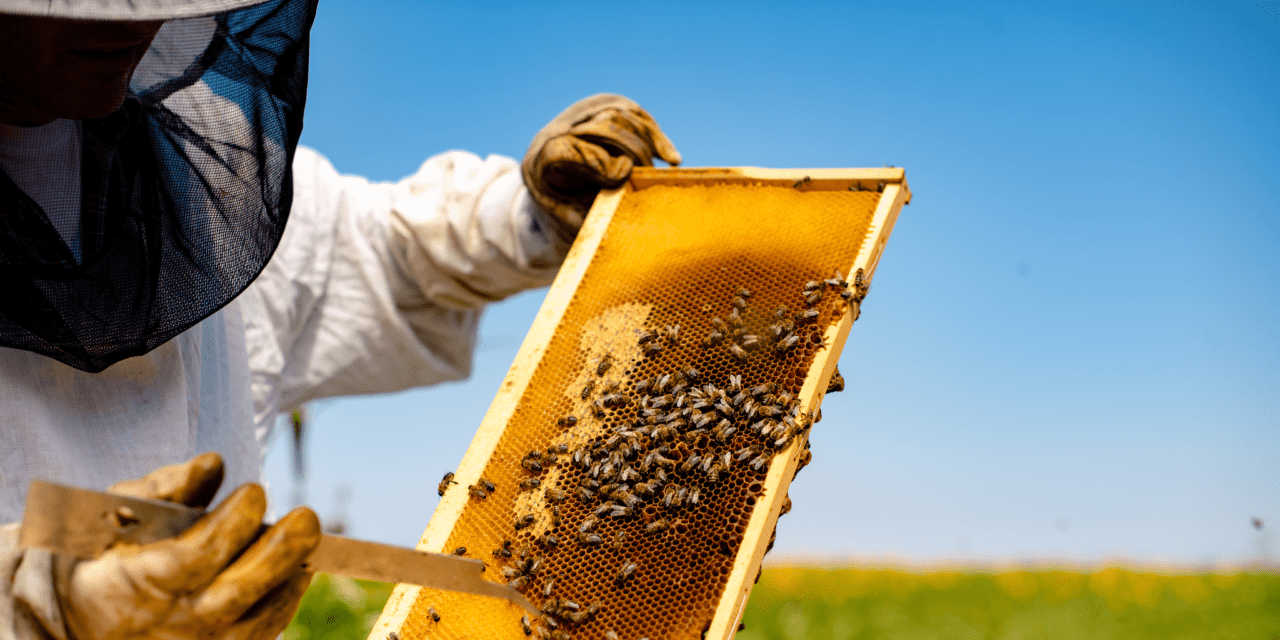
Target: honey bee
615,400
619,539
586,495
460,551
588,524
546,589
805,458
713,474
691,462
735,318
725,406
532,465
657,526
487,486
530,483
759,463
653,348
393,636
784,439
836,383
643,385
665,432
524,521
510,572
567,421
597,408
739,302
724,431
718,323
555,515
586,389
590,539
502,553
518,582
738,352
644,337
605,363
786,344
812,298
525,626
433,614
743,292
535,566
837,282
673,333
608,635
807,316
750,342
444,484
625,574
560,634
803,182
619,511
477,492
552,494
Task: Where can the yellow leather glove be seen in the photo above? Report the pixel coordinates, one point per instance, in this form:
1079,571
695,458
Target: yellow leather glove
591,146
218,579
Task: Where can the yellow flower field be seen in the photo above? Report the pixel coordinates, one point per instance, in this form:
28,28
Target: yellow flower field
795,602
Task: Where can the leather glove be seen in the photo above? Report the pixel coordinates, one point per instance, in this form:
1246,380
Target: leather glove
591,146
218,579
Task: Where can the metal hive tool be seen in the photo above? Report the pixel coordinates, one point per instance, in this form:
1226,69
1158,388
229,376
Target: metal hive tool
654,276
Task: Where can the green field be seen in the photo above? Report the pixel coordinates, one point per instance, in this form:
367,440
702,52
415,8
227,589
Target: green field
872,604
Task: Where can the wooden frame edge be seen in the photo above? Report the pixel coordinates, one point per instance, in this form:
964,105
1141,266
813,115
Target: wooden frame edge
764,517
493,426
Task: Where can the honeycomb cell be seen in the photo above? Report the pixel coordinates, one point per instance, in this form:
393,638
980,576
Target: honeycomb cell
679,359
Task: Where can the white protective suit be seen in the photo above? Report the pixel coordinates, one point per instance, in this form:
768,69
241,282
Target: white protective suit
374,288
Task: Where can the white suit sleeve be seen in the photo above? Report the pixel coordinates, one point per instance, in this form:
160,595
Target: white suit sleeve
379,287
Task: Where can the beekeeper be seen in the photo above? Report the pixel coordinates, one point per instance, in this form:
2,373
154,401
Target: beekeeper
154,304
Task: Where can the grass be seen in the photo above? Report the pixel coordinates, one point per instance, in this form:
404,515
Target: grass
874,604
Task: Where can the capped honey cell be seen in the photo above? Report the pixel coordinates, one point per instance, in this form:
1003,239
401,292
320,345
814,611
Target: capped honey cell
654,493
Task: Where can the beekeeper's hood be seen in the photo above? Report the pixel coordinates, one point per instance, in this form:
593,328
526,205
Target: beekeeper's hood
184,190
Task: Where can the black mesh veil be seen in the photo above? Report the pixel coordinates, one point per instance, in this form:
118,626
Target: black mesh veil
185,191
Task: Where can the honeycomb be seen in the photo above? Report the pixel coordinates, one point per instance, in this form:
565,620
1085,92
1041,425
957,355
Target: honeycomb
615,508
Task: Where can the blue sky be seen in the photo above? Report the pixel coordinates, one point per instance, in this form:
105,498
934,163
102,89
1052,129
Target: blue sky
1072,349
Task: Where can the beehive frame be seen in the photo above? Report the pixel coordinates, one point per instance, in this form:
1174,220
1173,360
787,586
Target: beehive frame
893,192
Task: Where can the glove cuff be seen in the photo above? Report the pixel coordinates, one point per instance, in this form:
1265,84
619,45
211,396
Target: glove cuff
568,218
28,595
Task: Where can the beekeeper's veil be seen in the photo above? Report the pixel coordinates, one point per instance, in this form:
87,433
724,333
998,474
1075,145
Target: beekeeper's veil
184,190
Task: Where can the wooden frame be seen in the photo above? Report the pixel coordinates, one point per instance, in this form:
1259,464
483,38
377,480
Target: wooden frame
891,182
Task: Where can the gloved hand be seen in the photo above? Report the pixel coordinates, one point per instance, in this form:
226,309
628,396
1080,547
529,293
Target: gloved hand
592,145
218,579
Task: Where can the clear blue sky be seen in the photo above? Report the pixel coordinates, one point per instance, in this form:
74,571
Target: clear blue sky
1072,349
